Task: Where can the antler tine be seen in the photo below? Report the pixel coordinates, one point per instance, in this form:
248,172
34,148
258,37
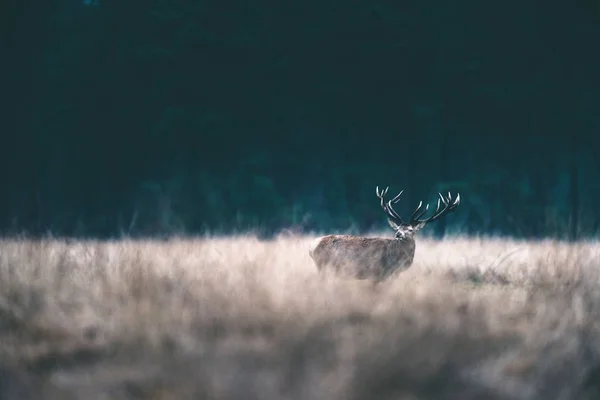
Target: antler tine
383,192
414,218
452,205
388,207
443,198
392,211
381,195
397,198
394,201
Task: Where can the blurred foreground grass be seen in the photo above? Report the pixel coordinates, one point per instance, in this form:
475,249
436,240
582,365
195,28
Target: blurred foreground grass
229,318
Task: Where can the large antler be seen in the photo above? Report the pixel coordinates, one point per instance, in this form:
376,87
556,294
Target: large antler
449,206
389,210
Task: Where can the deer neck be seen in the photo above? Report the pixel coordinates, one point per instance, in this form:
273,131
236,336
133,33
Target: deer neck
405,239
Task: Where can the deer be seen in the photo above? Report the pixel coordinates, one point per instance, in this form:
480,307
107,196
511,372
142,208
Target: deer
375,257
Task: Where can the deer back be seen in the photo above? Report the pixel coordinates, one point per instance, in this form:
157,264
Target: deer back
362,257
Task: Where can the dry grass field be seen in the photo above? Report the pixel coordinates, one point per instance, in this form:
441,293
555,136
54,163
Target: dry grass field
239,318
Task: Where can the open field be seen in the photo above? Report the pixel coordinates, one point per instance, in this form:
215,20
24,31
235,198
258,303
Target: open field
229,318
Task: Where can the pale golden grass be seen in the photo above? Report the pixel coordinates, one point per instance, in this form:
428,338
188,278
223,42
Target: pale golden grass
235,317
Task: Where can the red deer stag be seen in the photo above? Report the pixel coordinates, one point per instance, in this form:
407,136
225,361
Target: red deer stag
373,257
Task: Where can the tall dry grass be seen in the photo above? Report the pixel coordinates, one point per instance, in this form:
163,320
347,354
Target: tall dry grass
225,318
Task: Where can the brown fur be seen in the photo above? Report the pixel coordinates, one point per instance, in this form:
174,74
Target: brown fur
363,257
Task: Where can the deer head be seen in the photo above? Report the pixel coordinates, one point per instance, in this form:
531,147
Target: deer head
403,230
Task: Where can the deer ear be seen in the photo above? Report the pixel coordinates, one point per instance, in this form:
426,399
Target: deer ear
393,224
419,227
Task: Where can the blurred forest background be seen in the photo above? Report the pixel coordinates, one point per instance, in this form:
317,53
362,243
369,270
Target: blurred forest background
190,116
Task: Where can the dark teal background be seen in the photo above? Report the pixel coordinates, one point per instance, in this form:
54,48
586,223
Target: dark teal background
156,117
